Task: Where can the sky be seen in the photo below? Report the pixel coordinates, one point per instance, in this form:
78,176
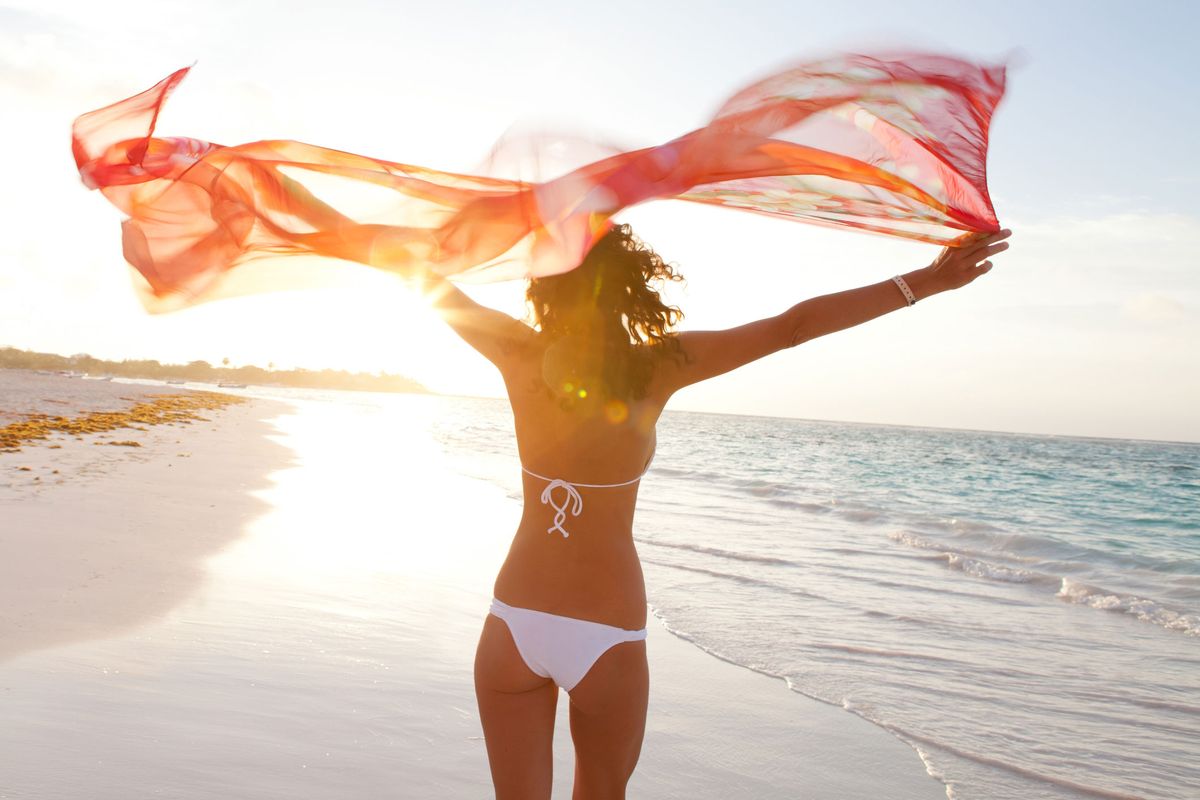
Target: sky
1088,326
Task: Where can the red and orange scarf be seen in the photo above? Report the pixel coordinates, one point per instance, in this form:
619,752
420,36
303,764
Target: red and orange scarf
891,144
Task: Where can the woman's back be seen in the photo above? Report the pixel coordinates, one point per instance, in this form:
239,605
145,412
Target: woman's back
580,452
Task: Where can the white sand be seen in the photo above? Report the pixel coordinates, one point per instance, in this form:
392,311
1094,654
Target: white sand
290,611
115,537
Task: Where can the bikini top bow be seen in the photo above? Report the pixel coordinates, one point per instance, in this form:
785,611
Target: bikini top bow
573,501
560,511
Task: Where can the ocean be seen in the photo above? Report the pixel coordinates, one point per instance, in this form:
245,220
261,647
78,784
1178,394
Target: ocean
1023,610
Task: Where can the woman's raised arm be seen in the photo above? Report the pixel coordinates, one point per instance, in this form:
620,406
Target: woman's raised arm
496,335
712,353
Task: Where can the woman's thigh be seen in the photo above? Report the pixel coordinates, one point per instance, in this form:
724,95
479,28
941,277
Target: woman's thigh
608,721
516,708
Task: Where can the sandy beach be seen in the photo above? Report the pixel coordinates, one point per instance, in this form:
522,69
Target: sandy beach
283,601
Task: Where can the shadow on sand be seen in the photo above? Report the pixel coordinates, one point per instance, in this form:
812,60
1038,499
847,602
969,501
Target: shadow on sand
98,541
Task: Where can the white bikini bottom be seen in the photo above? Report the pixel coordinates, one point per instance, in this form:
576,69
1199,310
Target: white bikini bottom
560,648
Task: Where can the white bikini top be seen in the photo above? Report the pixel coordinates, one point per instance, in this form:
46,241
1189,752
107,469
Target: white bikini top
573,499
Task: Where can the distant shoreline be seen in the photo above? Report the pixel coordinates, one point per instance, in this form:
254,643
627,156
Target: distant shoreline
348,381
83,365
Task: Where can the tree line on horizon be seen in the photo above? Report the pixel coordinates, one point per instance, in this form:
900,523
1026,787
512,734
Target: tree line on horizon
14,358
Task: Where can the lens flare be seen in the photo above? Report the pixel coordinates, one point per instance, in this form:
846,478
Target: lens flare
616,412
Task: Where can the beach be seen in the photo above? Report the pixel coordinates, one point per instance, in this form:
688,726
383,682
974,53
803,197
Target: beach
283,599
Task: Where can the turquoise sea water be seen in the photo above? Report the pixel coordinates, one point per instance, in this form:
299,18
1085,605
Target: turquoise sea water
1023,610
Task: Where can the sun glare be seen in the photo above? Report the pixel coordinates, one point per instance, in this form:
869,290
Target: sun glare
345,505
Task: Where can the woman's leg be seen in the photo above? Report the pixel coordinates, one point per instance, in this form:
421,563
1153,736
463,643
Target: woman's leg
516,707
608,721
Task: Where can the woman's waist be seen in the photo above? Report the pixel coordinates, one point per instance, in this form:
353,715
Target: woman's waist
586,552
604,586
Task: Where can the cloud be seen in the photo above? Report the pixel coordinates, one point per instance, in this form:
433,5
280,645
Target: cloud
1154,307
1107,258
48,63
1126,228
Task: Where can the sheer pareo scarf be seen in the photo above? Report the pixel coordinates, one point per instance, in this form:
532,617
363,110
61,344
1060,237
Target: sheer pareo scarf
891,144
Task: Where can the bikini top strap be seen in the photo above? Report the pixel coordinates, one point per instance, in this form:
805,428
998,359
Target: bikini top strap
573,500
561,482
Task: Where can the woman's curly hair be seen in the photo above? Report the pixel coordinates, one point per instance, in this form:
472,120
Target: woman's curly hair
615,279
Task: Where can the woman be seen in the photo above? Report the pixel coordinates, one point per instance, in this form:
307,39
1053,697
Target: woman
587,384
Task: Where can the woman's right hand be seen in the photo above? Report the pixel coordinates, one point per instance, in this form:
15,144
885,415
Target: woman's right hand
955,267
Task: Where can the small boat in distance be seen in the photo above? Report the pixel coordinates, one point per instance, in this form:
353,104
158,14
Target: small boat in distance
224,385
176,381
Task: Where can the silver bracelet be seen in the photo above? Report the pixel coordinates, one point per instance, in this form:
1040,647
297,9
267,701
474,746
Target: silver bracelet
908,293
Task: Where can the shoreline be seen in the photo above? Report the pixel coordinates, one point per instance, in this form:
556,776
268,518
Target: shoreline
761,737
314,632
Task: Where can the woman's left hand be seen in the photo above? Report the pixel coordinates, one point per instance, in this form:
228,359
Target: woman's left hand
955,267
